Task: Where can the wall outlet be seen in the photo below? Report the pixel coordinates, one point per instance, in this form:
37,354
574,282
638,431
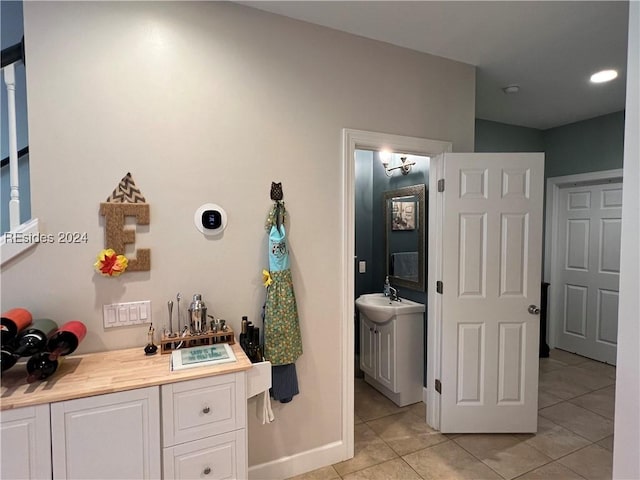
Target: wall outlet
126,314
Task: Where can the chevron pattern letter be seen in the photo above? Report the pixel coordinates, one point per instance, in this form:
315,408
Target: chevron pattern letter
126,192
126,201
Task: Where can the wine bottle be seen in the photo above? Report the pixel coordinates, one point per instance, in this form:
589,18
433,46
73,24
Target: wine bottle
66,339
12,322
7,357
40,367
33,340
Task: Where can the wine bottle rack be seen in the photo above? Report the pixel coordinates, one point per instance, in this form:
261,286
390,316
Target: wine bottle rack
169,344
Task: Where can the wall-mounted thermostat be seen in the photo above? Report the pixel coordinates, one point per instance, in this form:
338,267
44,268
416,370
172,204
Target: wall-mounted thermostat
210,219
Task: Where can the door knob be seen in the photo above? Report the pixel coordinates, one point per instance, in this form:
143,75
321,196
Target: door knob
533,310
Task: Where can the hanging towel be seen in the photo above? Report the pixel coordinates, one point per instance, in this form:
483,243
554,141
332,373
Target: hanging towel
263,408
405,265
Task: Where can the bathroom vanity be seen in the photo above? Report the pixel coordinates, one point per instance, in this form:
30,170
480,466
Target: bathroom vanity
391,346
120,414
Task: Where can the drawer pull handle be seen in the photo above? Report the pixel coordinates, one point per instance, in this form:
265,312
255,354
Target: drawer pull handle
206,410
207,471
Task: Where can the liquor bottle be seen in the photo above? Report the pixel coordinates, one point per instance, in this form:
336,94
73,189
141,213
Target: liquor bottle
12,322
33,339
243,333
40,367
257,352
66,339
7,357
248,342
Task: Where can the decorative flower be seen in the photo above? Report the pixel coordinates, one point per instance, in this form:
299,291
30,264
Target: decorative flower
111,264
266,278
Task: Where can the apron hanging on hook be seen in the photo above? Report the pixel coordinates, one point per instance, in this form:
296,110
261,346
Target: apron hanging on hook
282,338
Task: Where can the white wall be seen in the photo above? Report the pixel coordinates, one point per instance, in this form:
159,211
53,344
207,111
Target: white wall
626,461
210,102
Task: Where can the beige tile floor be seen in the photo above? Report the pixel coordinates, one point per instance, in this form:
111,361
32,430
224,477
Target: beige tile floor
574,439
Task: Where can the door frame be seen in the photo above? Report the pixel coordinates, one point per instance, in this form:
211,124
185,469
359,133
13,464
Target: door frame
366,140
554,184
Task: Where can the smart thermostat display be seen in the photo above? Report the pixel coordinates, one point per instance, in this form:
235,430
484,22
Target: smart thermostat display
210,219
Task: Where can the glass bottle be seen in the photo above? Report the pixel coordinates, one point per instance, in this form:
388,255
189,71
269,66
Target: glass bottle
40,366
12,322
7,357
33,339
243,333
66,339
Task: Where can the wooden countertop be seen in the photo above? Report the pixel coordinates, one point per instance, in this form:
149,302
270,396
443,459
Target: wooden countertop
104,372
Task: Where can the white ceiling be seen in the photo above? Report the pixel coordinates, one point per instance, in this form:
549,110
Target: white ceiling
548,48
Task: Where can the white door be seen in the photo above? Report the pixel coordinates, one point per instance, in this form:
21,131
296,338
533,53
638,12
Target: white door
588,270
491,263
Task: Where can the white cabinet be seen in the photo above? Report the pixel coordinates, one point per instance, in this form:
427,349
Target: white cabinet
377,351
392,356
367,346
385,334
26,443
110,436
204,428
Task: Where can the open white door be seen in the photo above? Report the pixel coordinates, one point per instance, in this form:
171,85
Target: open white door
491,238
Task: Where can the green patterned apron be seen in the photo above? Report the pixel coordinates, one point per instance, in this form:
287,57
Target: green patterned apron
282,339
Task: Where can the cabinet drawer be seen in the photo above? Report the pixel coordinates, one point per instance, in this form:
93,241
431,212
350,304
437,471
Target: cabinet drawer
219,457
199,408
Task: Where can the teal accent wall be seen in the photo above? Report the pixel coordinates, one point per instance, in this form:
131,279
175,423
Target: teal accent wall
500,137
588,146
364,221
371,183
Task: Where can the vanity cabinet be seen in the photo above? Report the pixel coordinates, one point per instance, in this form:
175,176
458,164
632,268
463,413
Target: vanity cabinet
26,443
204,428
377,351
392,356
110,436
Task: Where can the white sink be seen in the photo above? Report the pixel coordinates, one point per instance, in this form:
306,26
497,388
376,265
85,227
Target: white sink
380,309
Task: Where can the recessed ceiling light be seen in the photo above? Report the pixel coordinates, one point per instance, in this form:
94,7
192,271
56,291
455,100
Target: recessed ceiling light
604,76
511,89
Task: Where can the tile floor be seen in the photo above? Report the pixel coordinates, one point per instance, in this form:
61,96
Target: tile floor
574,439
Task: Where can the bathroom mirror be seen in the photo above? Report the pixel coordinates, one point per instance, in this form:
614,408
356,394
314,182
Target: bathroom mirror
405,226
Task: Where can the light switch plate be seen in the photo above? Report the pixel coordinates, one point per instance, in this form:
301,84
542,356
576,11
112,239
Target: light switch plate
362,266
126,314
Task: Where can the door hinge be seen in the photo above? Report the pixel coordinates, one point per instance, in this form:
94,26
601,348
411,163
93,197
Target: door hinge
441,185
438,386
439,286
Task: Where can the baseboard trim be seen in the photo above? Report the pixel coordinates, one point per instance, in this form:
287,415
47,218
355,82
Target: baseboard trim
299,463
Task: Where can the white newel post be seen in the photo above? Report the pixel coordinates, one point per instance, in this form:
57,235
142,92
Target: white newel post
14,203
